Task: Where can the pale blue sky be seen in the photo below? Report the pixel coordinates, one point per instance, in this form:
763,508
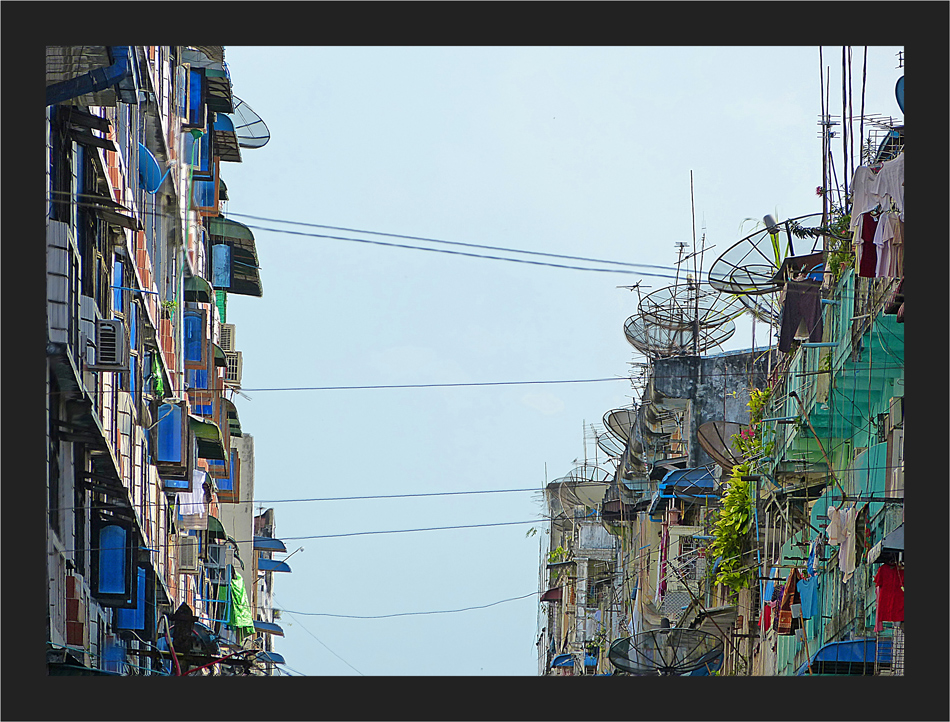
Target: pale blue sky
575,151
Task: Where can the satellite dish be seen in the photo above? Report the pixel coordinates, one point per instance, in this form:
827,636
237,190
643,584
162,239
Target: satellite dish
585,485
667,652
764,307
678,307
610,445
751,265
250,129
619,422
899,92
716,439
658,341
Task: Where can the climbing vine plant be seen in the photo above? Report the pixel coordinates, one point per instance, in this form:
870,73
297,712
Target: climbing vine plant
736,517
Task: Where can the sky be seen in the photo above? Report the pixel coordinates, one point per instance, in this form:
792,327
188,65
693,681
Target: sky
599,152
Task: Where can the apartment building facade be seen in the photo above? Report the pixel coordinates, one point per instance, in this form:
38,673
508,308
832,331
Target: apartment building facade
144,443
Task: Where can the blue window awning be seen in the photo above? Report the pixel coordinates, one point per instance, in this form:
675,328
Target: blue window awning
563,660
271,657
268,628
567,660
853,656
269,544
272,565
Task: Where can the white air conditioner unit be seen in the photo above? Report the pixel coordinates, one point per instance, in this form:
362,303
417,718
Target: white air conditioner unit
896,413
112,346
226,337
232,374
187,554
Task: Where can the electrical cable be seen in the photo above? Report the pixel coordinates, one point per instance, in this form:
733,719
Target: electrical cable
457,253
322,643
410,614
456,243
724,374
408,237
174,543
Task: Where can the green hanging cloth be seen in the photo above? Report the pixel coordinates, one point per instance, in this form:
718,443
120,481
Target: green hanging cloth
239,615
158,386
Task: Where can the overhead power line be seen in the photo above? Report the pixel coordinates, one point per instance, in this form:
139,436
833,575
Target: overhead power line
460,253
410,614
416,238
455,243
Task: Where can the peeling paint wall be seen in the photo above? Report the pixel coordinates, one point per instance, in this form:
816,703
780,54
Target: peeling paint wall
717,387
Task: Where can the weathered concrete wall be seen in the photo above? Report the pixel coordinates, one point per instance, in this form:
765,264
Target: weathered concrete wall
717,387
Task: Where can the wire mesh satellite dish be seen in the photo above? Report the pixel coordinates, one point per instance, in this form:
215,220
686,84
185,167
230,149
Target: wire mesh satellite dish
751,265
619,422
763,306
610,445
716,439
585,485
667,652
656,341
678,307
248,126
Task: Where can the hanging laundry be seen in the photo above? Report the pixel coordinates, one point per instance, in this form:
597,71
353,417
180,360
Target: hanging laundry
812,555
802,304
887,229
884,187
864,194
846,555
890,183
808,591
865,252
833,530
889,582
192,505
786,623
765,616
776,602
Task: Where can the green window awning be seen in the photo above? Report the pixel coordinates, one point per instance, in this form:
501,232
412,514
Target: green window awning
219,358
216,529
245,271
234,423
198,289
208,438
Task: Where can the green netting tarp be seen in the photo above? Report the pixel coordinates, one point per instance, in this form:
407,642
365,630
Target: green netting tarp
238,613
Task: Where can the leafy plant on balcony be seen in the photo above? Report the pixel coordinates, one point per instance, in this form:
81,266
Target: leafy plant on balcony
734,521
750,441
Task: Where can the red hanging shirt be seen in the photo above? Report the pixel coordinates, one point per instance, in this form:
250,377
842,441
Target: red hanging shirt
890,598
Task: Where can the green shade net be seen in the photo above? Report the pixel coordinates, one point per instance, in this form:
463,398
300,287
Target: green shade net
221,301
157,383
238,614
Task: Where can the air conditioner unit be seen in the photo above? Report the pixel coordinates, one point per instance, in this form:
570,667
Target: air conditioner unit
187,554
226,337
232,374
896,413
112,346
896,482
